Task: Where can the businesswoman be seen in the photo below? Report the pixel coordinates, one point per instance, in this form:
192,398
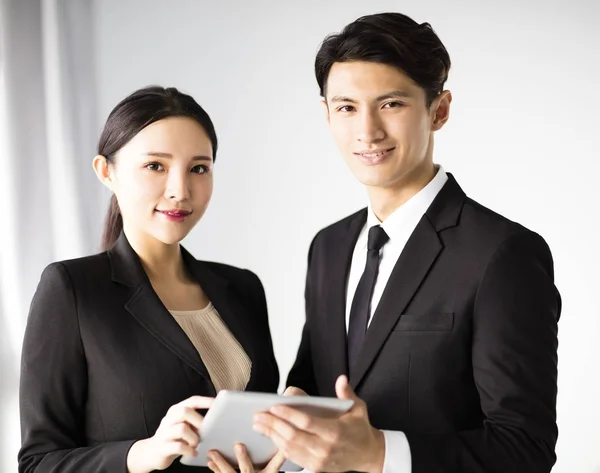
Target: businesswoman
123,347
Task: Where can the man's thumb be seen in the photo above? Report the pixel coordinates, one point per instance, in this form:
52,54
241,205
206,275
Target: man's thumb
343,390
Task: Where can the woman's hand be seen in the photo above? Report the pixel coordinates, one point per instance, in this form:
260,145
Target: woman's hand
176,435
218,464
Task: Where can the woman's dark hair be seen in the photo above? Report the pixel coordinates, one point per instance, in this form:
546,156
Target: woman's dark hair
393,39
133,114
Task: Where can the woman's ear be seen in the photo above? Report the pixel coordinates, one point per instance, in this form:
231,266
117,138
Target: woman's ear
103,171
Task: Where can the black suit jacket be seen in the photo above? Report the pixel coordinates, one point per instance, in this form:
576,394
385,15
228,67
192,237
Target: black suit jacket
103,360
461,353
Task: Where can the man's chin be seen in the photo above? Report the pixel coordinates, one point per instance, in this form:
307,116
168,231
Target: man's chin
375,181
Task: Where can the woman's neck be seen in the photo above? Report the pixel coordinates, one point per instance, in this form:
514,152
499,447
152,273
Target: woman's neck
162,262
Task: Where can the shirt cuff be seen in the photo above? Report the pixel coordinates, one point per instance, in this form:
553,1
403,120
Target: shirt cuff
397,453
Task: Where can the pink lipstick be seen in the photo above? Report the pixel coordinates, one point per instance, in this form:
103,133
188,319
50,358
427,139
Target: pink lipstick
175,215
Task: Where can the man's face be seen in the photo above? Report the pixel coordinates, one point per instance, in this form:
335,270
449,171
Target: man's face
380,122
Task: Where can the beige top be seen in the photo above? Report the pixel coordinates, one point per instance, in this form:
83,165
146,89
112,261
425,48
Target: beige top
226,361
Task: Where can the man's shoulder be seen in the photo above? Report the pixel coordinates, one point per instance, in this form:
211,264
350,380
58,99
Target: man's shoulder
487,223
482,233
341,227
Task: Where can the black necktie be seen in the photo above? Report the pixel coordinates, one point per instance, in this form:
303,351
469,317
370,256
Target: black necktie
361,304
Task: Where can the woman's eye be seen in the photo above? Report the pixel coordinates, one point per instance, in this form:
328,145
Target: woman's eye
200,169
154,166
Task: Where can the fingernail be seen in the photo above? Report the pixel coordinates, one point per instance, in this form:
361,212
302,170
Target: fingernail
259,428
239,448
276,409
259,418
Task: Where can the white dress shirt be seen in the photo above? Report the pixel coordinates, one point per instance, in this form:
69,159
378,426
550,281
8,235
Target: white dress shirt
399,226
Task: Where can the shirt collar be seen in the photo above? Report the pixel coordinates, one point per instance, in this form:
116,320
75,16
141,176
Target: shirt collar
411,211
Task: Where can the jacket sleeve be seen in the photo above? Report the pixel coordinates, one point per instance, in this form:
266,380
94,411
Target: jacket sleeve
260,302
514,358
302,373
53,388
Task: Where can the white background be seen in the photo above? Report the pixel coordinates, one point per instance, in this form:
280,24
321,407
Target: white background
525,79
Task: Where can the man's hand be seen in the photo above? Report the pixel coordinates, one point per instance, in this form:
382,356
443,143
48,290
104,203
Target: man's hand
294,391
348,442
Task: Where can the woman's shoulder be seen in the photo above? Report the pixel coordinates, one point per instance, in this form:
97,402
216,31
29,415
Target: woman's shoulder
78,268
229,272
241,278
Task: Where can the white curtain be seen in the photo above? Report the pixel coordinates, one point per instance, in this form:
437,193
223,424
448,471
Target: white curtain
50,203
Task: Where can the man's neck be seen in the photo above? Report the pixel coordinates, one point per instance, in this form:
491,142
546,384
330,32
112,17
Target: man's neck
385,200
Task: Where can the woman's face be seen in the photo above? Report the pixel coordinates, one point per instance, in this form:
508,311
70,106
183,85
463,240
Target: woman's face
163,180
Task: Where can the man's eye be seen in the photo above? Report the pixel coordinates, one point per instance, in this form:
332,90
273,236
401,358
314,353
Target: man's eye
394,104
346,108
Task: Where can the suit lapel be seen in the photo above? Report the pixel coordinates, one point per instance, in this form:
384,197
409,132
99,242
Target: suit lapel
148,310
413,265
146,307
340,252
233,313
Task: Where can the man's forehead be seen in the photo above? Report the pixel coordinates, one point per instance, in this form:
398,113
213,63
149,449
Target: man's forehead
368,81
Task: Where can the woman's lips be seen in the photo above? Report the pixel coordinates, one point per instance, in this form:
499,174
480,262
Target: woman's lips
175,215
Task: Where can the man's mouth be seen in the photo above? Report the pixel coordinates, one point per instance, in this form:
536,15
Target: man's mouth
373,156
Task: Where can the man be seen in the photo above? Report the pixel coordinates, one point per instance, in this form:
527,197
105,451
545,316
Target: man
442,313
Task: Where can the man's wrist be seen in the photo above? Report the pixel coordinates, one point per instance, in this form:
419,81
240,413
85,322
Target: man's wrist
377,453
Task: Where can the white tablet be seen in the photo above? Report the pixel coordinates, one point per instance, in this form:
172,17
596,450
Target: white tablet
230,418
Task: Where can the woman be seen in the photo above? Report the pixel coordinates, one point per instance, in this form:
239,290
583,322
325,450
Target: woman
121,347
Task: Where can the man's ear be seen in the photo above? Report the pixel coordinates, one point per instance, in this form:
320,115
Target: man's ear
441,112
103,171
325,109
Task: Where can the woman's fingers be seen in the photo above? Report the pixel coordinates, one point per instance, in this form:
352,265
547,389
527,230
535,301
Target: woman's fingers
180,413
244,462
177,448
197,402
181,432
220,465
275,463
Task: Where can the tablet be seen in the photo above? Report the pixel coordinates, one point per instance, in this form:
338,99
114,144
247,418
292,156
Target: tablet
231,416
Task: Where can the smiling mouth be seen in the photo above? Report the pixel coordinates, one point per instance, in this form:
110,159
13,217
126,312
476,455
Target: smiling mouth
374,154
175,213
373,157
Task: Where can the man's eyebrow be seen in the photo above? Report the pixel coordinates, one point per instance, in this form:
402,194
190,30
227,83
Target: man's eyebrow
394,94
341,98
